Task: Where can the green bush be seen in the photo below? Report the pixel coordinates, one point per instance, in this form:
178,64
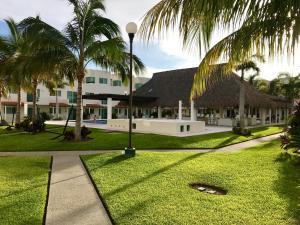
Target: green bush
70,135
291,139
35,127
239,131
3,123
45,116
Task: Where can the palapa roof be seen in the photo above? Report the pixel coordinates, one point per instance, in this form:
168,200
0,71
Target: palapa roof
171,86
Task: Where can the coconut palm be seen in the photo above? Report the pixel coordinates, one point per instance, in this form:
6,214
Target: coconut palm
243,67
89,37
11,48
259,27
291,89
3,91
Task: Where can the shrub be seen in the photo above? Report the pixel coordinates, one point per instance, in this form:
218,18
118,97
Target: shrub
34,127
44,116
85,132
291,139
3,123
69,135
239,131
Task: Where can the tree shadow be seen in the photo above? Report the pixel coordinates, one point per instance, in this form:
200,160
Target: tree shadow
227,141
155,173
288,185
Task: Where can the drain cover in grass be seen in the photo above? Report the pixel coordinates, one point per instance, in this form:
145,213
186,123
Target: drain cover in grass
209,189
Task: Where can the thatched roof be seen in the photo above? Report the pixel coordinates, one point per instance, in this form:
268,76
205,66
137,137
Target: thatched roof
171,86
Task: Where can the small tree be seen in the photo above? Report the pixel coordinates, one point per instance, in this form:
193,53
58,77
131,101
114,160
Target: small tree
291,140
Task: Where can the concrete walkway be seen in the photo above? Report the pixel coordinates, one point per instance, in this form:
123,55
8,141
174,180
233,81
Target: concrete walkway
73,199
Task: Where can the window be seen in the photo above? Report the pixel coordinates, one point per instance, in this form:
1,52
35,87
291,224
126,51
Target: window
90,80
138,85
104,102
10,109
53,110
102,80
53,93
72,97
117,83
29,97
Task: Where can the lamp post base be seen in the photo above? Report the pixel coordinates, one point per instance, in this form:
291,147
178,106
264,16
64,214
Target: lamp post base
129,152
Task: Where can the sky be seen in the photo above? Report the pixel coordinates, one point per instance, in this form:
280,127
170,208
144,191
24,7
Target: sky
158,55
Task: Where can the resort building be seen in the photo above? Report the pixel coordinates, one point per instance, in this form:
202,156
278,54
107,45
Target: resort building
95,82
167,96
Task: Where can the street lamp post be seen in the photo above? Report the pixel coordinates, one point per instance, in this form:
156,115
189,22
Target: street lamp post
131,29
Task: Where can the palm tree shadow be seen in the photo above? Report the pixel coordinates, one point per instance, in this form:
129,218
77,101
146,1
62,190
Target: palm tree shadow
227,141
155,173
288,186
114,160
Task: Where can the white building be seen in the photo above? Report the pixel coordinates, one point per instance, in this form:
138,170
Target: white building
95,82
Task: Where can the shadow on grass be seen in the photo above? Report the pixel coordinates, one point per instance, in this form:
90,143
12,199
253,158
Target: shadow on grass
288,185
155,173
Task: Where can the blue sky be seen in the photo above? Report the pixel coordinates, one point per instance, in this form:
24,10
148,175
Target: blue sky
159,55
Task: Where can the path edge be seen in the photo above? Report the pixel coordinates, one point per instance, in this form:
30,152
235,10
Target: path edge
48,191
97,191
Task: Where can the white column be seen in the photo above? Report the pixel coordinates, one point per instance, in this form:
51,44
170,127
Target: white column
280,115
25,109
109,108
180,110
192,110
276,116
159,112
5,113
263,116
270,116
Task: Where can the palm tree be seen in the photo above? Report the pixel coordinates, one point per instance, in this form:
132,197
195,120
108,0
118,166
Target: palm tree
3,91
291,89
89,37
11,49
260,27
243,67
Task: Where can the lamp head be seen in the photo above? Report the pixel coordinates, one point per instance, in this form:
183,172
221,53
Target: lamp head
131,28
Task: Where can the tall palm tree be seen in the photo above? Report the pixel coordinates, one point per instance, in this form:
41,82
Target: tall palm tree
89,37
243,67
11,48
291,89
260,27
3,91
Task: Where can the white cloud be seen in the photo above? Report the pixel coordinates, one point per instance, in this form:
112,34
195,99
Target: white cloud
58,13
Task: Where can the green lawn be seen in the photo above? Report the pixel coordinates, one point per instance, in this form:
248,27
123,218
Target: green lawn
152,188
106,141
23,189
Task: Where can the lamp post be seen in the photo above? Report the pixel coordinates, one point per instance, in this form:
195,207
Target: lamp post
131,29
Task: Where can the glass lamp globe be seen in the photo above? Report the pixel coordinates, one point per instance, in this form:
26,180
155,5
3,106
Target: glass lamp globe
131,28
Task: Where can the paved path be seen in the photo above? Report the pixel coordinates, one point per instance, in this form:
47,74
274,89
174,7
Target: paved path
73,199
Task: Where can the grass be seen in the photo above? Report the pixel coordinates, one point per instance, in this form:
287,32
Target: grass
106,141
152,188
23,189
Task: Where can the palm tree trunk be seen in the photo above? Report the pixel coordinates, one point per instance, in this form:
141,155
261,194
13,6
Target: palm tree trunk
242,103
34,82
0,105
78,108
57,105
18,110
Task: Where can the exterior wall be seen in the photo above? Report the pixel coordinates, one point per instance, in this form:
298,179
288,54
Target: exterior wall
45,99
167,127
